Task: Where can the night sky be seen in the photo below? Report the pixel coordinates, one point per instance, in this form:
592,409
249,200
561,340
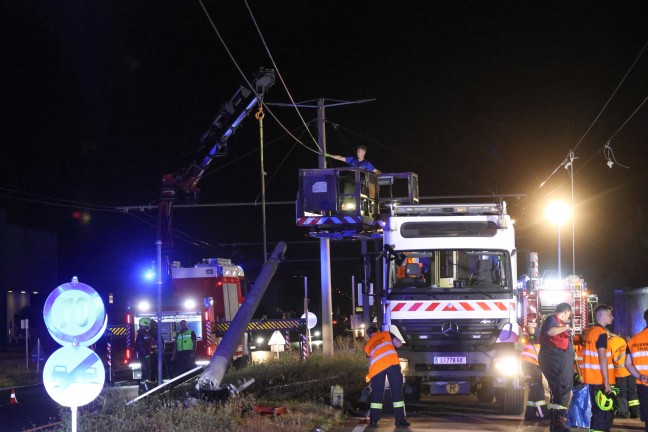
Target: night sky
102,98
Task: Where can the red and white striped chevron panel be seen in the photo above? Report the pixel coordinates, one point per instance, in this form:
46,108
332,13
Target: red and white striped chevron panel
456,308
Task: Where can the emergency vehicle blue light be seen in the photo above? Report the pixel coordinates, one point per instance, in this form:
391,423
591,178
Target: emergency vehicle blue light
149,275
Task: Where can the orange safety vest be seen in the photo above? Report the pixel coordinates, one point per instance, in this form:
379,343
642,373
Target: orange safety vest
638,347
578,355
618,349
530,353
591,369
381,353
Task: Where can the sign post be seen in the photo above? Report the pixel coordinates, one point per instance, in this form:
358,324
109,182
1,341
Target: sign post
76,318
24,324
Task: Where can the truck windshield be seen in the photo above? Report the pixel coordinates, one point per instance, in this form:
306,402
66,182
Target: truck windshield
461,270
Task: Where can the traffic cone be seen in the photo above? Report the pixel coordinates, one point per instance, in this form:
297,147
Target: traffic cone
12,399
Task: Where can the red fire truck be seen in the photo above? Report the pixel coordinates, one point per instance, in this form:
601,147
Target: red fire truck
203,295
539,297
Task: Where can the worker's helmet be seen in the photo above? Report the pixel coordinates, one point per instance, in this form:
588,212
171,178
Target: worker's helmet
606,401
144,322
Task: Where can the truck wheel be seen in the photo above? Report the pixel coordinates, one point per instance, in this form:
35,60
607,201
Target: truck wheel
511,401
486,395
412,390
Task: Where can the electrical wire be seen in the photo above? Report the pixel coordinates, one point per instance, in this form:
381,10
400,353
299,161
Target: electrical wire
276,68
613,94
337,126
250,86
564,162
59,202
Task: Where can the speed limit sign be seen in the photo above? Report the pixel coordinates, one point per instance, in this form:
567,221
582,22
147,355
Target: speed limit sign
75,313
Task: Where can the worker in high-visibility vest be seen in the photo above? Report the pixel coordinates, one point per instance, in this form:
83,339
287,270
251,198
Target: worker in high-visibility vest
556,360
598,370
536,409
184,349
384,363
637,364
627,401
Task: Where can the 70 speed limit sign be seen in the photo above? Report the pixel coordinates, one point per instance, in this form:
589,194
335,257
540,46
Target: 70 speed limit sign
74,312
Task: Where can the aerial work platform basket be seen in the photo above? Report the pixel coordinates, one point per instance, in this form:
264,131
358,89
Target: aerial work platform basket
346,202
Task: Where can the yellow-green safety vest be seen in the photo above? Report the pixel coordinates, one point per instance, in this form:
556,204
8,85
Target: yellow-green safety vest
183,341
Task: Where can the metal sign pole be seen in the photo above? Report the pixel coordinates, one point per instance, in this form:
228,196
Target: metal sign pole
27,344
74,418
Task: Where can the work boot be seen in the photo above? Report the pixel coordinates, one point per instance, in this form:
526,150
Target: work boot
373,423
560,420
402,423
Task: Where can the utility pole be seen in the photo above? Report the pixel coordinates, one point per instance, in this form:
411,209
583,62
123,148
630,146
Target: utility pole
325,244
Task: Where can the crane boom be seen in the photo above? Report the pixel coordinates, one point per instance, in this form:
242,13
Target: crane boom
213,143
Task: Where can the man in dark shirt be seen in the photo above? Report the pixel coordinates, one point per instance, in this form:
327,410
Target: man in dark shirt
556,359
359,161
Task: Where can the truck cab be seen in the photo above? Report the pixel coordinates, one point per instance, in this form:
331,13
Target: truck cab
450,294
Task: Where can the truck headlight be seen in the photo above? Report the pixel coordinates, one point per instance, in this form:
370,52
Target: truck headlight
507,366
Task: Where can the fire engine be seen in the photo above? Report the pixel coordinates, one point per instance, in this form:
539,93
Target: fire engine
211,292
539,297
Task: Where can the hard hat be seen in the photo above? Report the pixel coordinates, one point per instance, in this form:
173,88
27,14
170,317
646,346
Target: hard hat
606,401
145,322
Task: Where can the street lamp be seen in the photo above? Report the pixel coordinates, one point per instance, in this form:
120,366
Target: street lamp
558,212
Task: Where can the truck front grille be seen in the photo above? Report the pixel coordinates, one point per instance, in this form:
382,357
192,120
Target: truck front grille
443,332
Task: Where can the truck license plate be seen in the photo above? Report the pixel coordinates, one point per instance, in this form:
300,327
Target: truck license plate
449,360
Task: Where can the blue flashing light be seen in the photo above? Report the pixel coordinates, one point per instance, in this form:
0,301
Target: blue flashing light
149,275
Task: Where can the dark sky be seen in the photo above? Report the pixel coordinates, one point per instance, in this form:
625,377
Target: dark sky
101,98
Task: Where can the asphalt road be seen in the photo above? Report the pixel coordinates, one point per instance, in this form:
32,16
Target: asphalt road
466,414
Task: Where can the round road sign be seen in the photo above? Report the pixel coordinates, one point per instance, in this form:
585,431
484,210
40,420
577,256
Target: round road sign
74,376
312,320
74,312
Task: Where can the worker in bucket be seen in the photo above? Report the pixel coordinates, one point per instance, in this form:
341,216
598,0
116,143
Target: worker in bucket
359,161
184,349
384,362
556,359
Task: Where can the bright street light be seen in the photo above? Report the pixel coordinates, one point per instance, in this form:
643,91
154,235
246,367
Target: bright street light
558,213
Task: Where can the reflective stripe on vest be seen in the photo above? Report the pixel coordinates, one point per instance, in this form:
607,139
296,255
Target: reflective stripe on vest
638,347
591,369
183,341
381,352
530,353
618,349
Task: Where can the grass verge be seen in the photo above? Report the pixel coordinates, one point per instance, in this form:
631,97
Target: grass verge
301,387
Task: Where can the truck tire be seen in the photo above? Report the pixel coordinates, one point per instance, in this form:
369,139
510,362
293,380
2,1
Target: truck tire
412,390
486,395
511,401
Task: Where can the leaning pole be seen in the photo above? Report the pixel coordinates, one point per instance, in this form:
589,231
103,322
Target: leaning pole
212,376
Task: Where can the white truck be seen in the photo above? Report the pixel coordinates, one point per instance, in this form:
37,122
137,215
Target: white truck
450,296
